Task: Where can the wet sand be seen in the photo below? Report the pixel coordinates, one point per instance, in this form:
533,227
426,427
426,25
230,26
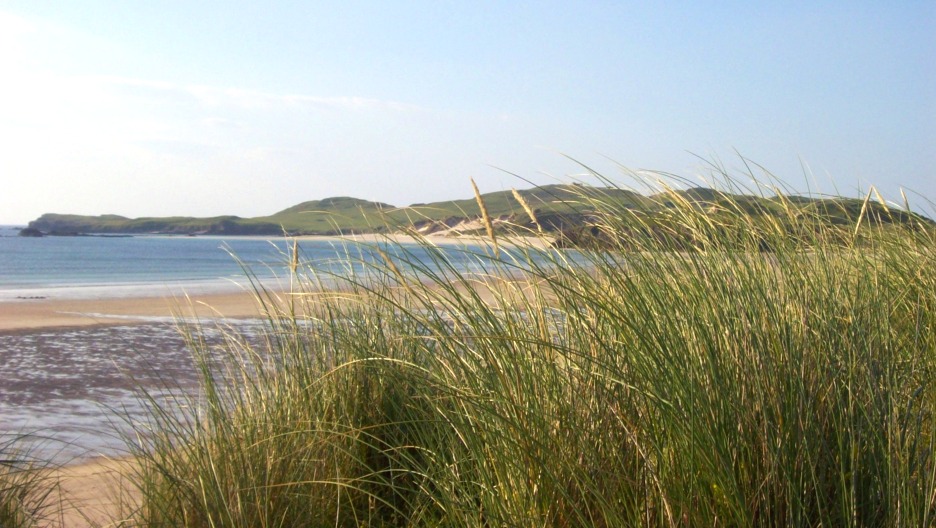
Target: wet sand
95,492
28,314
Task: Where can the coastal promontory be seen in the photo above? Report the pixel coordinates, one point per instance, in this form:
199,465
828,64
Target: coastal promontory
557,210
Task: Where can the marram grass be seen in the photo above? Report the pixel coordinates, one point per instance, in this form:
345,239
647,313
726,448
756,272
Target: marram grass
750,378
27,488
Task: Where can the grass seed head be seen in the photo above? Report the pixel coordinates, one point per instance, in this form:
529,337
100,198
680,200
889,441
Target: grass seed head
529,210
485,216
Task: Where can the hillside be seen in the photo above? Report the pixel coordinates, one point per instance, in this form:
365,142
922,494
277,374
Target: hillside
563,209
336,215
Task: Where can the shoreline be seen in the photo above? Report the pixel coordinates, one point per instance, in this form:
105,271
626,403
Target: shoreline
94,491
41,314
119,307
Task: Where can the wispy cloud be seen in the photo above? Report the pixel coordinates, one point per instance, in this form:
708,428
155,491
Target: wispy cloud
246,99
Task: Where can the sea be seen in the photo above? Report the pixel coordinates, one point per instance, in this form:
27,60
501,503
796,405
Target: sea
74,393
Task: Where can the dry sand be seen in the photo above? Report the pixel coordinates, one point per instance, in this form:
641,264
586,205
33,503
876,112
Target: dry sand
95,493
25,314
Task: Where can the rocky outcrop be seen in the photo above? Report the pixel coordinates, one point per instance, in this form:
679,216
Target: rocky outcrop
31,232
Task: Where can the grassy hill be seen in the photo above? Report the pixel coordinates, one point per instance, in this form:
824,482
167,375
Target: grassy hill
334,215
573,210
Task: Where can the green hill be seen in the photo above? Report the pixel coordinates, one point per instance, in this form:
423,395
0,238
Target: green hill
568,209
329,216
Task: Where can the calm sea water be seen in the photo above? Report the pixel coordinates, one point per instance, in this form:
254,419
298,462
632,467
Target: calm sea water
95,267
65,384
107,267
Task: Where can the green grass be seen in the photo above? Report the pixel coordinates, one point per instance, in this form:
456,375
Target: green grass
648,383
26,486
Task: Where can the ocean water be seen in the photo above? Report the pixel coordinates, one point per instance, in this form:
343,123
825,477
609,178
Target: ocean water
96,267
77,389
133,266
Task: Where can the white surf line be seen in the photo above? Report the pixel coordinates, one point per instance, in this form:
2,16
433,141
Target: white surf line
164,318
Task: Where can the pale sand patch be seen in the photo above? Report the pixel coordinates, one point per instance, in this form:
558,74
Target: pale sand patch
95,493
50,313
439,239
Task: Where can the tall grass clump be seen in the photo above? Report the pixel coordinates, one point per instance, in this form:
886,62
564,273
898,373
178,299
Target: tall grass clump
711,365
26,486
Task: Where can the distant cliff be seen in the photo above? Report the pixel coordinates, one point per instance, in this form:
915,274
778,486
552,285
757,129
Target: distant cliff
59,224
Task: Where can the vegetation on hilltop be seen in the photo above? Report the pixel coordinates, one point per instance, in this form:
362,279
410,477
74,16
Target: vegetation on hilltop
568,211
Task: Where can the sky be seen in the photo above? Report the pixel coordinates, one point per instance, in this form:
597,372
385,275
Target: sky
242,107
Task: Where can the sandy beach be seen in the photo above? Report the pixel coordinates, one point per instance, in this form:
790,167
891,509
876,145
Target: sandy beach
94,493
91,491
27,314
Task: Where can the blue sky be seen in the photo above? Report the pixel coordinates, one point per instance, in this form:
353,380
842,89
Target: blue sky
206,108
